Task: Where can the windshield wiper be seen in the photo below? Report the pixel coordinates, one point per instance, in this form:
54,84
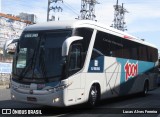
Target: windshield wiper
42,63
31,62
25,70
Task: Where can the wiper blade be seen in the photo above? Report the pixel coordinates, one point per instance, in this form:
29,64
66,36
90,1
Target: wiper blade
42,63
25,70
32,62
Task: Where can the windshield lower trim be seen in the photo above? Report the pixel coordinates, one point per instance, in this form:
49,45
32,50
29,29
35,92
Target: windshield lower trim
35,80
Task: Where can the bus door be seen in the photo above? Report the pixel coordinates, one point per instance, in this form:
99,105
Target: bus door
74,66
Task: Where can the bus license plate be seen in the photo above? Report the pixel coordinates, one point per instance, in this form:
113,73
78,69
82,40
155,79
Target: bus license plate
32,99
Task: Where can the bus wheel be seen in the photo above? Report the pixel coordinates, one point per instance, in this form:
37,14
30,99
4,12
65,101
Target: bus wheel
145,89
93,96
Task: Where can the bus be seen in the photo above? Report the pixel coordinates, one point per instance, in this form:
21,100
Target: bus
69,63
159,66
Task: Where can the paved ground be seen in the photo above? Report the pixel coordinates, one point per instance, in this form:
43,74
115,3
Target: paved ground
106,107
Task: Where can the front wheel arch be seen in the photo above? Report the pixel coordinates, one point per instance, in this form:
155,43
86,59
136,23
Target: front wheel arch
95,89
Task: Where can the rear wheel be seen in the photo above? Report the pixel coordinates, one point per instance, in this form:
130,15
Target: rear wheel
145,89
93,96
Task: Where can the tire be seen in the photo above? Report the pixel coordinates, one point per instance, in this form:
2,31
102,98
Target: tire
93,96
145,89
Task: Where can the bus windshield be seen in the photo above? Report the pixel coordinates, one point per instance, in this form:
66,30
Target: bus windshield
39,55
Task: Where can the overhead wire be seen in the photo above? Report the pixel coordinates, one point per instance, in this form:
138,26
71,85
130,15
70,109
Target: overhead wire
72,9
28,6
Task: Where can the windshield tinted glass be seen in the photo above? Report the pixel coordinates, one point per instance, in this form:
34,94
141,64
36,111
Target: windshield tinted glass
39,54
52,53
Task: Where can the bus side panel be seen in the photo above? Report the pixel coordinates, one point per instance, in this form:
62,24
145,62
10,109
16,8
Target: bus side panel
118,76
125,76
134,74
112,76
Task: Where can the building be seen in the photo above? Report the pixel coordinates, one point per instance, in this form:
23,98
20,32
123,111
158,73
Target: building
29,17
11,27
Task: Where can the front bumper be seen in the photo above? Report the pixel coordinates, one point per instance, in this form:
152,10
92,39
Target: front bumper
50,99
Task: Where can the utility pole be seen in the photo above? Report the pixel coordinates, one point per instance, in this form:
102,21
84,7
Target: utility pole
88,9
119,17
52,5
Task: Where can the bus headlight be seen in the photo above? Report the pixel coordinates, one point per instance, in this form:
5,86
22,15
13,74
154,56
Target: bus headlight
58,88
61,87
56,100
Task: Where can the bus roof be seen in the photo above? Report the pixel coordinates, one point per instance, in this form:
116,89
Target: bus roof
54,25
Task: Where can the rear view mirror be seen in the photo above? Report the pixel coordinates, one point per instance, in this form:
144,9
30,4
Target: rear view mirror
10,46
67,43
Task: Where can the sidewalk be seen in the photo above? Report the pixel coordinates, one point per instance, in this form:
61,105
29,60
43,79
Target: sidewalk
4,86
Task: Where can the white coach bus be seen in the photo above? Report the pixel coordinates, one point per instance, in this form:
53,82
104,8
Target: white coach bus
68,63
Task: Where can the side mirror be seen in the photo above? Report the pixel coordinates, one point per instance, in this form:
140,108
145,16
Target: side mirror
10,46
67,43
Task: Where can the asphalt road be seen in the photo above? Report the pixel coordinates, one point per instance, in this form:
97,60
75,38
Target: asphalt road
107,108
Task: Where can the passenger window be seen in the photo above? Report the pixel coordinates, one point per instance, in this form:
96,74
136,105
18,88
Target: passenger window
96,54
